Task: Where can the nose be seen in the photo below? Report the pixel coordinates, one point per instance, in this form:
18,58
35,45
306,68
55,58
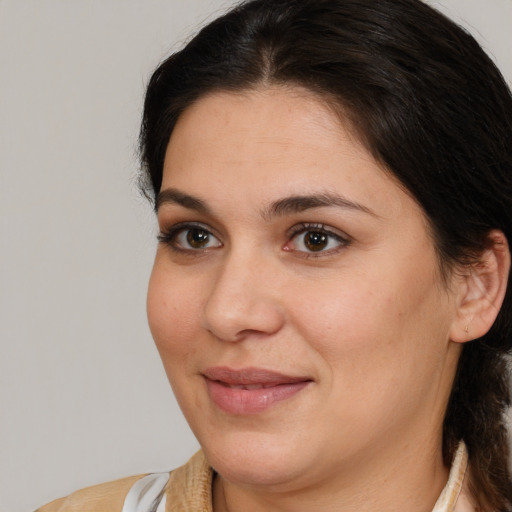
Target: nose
244,301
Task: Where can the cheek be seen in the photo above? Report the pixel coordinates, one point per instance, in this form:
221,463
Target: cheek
374,321
173,313
339,314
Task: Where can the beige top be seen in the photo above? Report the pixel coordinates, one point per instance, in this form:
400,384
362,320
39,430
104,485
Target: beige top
189,489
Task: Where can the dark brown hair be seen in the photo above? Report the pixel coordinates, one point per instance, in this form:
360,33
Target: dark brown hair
428,102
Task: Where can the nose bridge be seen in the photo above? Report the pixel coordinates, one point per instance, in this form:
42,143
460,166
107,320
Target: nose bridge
243,299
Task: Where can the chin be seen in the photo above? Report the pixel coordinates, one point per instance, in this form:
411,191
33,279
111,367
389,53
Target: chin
254,459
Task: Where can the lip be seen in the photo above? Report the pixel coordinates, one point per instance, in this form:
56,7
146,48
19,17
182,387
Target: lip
251,390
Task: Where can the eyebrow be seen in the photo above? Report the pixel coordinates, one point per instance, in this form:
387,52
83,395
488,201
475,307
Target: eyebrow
279,208
173,196
301,203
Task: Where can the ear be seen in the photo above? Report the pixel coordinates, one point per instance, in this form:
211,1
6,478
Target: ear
482,291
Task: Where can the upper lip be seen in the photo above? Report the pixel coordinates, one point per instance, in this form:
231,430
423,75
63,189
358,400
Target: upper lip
250,376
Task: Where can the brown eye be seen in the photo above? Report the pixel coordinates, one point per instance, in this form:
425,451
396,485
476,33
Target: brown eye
190,238
316,241
198,238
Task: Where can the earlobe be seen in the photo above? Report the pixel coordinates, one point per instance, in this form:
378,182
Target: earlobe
482,291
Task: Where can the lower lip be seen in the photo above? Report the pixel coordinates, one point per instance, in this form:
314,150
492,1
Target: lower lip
251,401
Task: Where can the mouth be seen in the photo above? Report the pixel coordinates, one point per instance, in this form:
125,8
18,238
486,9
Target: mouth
251,390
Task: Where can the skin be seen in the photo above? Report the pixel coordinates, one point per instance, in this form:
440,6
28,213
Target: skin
368,319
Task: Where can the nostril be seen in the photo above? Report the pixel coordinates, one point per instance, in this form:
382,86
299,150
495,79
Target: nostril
254,320
240,306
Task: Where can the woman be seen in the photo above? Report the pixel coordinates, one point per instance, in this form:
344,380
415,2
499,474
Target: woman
330,299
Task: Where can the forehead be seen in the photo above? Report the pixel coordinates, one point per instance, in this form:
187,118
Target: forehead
274,142
257,119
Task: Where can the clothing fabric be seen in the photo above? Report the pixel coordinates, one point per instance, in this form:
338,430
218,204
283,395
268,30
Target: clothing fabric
189,489
455,496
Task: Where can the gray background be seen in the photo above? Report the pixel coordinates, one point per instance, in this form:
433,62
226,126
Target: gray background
83,397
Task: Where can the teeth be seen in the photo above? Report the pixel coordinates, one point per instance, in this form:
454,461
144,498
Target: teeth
247,387
251,387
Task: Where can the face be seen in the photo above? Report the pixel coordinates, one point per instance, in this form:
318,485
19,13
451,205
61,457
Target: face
295,298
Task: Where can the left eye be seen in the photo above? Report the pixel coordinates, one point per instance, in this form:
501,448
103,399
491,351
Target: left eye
315,240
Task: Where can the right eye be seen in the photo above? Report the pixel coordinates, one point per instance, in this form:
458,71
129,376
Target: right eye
189,238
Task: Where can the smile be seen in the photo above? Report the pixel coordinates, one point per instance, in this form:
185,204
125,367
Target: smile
250,390
249,387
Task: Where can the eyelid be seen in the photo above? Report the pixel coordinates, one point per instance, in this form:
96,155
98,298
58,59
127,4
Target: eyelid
317,226
169,234
305,227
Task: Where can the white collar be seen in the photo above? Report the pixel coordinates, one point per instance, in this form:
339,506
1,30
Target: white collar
449,499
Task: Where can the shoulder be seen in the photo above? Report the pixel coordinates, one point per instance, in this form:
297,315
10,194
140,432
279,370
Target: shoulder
190,486
107,496
186,489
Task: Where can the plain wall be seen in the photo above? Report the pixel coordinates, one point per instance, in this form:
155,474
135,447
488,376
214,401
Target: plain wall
83,396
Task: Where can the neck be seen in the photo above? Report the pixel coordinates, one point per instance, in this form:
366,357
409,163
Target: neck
381,481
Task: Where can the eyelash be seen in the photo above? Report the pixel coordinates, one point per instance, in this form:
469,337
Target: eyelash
304,228
169,238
